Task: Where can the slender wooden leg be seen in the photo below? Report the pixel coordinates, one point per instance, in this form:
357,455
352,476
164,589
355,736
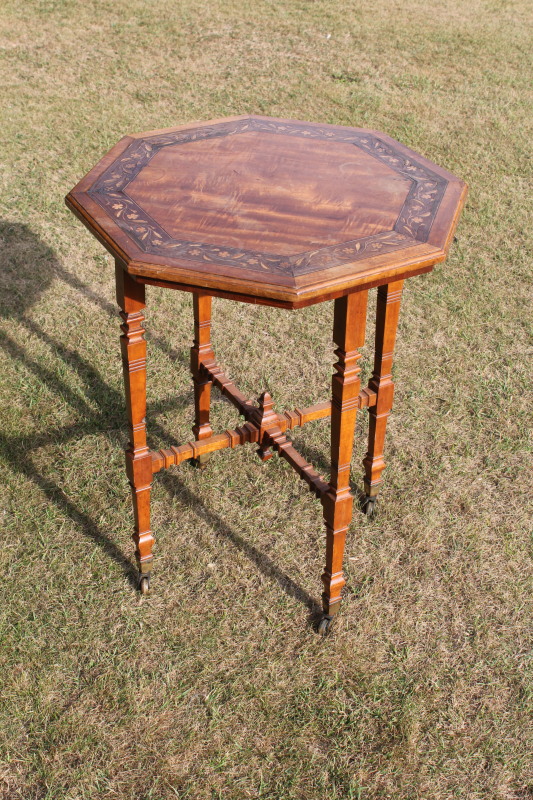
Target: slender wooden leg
131,299
349,334
388,309
201,353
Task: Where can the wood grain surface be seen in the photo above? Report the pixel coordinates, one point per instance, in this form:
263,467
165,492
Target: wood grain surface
273,210
268,194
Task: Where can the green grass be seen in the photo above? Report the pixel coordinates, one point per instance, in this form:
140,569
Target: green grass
217,685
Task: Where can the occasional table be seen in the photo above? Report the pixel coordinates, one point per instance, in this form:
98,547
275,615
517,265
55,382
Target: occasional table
282,213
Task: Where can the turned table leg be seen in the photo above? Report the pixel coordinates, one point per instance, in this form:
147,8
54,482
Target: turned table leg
388,309
131,299
201,353
348,334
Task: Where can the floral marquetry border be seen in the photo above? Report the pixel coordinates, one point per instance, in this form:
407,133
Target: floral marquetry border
412,226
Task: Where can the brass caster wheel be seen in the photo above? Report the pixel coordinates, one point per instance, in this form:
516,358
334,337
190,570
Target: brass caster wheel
369,507
144,585
324,625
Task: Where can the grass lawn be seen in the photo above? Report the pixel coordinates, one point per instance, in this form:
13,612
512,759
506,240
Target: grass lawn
217,686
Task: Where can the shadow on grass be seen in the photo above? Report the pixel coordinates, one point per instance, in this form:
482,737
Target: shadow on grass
22,463
175,487
27,268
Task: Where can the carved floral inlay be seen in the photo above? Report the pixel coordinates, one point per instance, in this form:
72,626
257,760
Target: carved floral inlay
412,226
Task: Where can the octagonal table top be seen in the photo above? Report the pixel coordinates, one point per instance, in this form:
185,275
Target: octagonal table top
267,210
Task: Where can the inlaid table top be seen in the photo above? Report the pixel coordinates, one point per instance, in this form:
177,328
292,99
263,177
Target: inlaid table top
269,210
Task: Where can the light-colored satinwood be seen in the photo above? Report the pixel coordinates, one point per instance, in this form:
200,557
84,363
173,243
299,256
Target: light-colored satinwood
273,211
282,213
131,300
202,356
349,333
387,313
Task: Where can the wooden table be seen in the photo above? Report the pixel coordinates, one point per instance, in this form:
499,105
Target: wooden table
286,214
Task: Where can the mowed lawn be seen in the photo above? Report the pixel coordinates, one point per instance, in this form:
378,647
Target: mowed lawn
217,685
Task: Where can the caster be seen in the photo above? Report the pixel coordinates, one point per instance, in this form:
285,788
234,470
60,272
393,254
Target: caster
144,585
369,507
324,625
